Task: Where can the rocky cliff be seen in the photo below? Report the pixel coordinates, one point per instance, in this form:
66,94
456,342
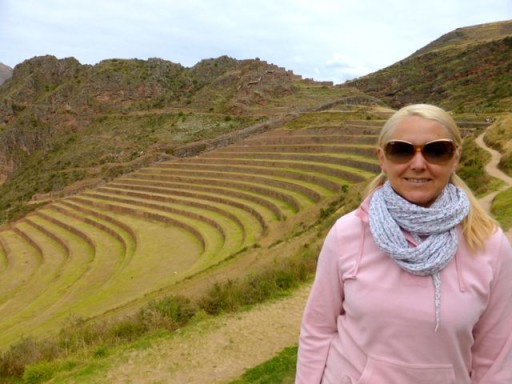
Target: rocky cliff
47,96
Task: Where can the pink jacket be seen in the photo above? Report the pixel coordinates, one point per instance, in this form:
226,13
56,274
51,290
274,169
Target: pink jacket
367,321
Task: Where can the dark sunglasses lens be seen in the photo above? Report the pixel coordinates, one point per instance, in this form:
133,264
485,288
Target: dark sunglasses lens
439,151
399,152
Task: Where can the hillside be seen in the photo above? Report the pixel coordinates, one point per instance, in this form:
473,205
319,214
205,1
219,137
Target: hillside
83,125
5,72
132,168
176,218
466,70
475,34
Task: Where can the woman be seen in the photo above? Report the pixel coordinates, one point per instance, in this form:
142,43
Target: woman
414,286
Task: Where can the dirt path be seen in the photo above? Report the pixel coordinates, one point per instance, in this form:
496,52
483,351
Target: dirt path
215,351
221,349
492,169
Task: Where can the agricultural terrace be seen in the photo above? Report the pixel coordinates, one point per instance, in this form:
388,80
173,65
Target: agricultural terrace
146,231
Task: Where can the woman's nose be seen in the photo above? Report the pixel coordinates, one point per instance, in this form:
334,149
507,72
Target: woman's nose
418,161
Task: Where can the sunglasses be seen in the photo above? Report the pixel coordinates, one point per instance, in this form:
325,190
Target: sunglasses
435,152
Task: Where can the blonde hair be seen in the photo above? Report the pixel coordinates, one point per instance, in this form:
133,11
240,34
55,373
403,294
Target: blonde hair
478,225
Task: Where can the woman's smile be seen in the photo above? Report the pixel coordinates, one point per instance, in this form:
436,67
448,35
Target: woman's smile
416,180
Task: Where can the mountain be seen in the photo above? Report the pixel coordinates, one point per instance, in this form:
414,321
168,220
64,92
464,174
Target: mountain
5,72
468,69
63,123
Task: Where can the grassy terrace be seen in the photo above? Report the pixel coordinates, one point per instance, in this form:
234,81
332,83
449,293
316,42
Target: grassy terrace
144,232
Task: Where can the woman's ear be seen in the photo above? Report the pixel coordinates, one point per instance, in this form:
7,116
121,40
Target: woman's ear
382,159
456,159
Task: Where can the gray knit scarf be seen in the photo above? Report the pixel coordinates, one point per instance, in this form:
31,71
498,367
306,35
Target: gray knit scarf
432,228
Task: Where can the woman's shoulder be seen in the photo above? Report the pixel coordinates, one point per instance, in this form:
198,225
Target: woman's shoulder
497,243
351,223
496,251
498,246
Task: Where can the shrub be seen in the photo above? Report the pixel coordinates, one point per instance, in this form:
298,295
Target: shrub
45,370
269,283
126,329
169,313
26,351
221,297
39,373
78,334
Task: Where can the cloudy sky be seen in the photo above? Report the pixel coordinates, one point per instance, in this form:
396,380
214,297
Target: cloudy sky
321,39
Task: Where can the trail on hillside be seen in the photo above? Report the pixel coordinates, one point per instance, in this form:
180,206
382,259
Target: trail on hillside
492,169
219,350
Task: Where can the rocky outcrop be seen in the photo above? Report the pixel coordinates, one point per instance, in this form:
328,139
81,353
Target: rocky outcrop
54,86
47,98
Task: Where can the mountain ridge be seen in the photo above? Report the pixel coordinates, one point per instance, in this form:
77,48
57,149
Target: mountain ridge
57,113
466,70
472,34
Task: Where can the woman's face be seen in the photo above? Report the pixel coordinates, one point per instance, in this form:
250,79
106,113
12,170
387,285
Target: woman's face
417,180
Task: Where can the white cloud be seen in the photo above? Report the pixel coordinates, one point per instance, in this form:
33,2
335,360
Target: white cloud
326,39
344,67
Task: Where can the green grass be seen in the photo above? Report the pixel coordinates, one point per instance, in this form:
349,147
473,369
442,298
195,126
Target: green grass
82,285
278,370
502,208
86,342
472,164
